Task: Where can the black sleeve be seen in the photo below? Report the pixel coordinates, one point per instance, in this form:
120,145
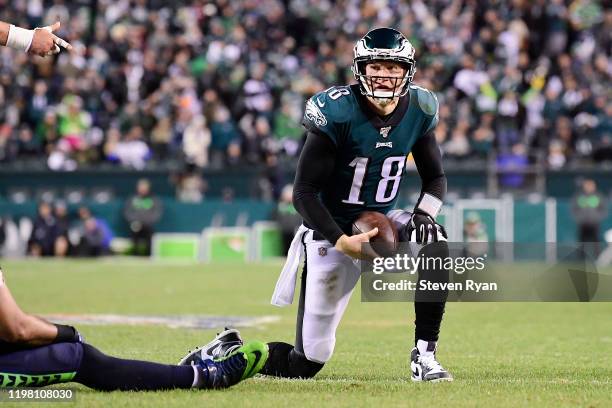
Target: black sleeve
428,160
314,169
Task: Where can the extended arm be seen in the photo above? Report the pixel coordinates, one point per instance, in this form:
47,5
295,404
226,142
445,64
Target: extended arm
40,41
18,327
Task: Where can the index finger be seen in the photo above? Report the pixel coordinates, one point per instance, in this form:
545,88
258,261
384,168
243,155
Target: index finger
372,232
62,43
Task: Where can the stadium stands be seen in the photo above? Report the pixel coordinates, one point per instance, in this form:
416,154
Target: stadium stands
229,79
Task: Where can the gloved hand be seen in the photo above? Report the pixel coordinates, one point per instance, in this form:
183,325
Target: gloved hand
424,227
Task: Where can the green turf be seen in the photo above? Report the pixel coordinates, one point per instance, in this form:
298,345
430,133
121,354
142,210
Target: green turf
501,354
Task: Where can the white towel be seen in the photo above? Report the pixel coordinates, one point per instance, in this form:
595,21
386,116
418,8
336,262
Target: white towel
285,286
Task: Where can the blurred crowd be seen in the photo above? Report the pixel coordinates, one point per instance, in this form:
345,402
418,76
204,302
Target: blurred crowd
218,84
58,229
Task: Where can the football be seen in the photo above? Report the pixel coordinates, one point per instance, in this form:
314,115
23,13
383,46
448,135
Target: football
385,243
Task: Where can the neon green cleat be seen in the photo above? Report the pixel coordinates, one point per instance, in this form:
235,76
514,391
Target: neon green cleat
256,355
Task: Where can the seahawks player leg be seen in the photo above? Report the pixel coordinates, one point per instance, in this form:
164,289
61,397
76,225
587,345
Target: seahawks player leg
36,353
82,363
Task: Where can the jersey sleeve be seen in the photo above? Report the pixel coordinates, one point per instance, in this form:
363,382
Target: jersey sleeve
428,103
326,115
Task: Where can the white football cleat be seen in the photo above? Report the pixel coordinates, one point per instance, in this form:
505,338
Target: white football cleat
221,346
426,368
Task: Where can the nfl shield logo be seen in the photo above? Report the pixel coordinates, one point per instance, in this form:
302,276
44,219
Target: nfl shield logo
384,132
322,251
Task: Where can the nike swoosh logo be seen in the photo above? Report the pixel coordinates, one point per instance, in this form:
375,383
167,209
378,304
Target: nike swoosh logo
257,358
415,372
319,103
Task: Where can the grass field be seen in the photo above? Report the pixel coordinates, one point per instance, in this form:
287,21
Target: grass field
501,354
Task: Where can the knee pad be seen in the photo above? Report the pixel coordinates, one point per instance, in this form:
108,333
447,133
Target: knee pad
319,350
318,336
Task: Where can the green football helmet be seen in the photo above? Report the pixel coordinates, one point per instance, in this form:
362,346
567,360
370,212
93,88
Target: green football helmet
383,44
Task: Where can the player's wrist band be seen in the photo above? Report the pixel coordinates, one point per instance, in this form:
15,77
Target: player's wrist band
19,38
66,334
430,204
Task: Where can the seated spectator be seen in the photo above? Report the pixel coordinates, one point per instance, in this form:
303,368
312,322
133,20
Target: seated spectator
603,150
190,187
225,138
74,122
257,95
60,212
28,146
458,145
287,129
556,154
9,148
38,103
508,123
92,238
196,140
484,136
511,166
132,151
45,239
161,135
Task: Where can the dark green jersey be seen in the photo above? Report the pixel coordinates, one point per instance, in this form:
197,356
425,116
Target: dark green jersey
371,152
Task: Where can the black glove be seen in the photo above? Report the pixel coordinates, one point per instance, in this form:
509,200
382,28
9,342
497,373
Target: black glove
425,226
67,334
